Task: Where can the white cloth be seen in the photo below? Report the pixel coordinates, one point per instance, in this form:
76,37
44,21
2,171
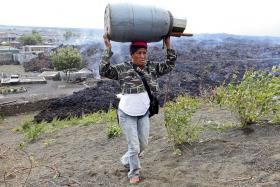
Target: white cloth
135,104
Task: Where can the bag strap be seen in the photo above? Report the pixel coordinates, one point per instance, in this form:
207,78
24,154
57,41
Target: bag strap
144,82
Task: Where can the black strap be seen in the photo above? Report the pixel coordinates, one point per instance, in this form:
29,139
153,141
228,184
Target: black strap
144,82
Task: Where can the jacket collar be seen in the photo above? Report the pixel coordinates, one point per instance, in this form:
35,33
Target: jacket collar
137,68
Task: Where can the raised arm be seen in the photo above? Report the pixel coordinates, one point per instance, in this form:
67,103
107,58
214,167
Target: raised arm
105,68
169,63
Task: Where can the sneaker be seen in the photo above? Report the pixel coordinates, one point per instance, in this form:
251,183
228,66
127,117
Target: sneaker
126,166
134,180
141,155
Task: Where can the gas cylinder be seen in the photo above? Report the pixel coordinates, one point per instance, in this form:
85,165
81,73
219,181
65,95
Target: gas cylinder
126,22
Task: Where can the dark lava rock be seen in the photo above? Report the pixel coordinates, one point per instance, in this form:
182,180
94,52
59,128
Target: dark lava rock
38,64
89,100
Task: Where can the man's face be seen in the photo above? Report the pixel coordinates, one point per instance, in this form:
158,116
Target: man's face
139,57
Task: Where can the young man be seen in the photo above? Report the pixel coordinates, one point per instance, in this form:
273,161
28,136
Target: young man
134,105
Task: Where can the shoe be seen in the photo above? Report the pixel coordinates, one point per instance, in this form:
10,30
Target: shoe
134,180
126,168
141,155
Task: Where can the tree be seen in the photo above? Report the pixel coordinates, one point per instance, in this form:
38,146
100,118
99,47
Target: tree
66,59
33,38
69,34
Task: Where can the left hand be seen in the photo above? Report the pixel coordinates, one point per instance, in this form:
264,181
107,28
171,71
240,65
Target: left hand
107,41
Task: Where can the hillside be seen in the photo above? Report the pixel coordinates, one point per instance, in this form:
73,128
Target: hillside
84,156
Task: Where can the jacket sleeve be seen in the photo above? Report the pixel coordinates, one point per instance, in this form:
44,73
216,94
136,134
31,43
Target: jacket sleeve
168,64
105,68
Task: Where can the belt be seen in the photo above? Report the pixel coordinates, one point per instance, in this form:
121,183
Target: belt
133,90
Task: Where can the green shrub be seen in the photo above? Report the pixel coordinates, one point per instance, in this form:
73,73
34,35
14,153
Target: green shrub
113,130
177,120
112,127
253,98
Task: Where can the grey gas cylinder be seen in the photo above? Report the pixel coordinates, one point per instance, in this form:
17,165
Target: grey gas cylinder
128,22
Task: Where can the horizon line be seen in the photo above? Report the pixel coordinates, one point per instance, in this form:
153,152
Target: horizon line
88,28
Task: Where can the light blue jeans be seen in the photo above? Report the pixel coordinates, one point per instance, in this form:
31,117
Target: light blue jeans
136,130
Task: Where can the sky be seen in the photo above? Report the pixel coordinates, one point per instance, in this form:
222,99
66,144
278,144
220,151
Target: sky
242,17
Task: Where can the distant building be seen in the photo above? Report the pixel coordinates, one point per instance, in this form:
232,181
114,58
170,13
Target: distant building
7,37
11,55
23,57
6,55
15,44
80,75
16,79
8,49
38,48
50,75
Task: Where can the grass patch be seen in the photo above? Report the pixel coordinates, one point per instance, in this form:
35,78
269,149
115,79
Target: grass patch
12,90
33,130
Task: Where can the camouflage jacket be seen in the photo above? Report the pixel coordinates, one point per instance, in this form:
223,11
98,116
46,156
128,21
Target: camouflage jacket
129,80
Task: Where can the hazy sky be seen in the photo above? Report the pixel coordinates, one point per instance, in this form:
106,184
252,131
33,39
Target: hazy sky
249,17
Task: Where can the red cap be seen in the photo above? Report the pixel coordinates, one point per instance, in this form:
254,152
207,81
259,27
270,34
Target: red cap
139,43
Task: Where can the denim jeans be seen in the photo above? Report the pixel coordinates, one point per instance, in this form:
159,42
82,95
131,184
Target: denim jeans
136,130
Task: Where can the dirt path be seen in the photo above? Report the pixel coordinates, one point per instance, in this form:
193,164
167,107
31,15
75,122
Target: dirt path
84,156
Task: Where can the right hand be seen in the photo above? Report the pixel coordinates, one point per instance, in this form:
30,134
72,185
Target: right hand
167,42
107,41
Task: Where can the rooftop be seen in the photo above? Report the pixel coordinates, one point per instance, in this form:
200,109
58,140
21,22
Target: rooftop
7,48
34,46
